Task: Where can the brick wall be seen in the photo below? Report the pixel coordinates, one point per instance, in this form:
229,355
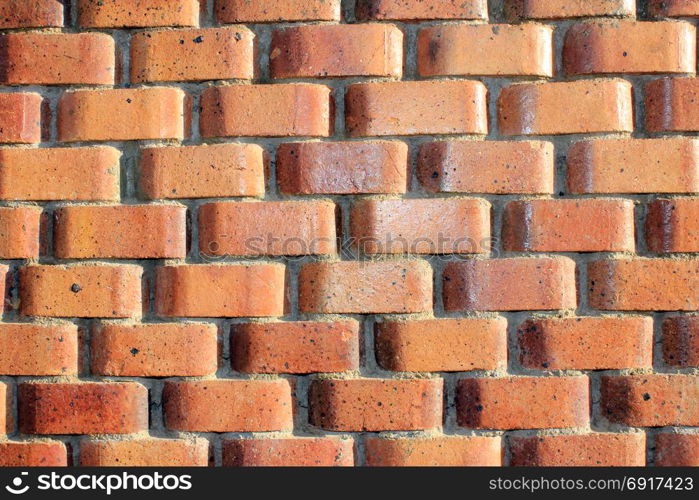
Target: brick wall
372,232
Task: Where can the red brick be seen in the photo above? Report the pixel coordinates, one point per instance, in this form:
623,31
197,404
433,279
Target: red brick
272,11
442,345
412,10
20,118
145,452
376,404
556,108
634,166
57,59
454,451
154,350
676,450
650,400
299,347
366,167
298,452
340,50
267,228
514,284
33,454
137,13
602,225
220,290
282,110
486,49
35,14
643,284
672,105
76,174
415,108
561,9
192,54
81,290
630,47
82,408
672,225
586,343
523,402
19,232
579,450
681,341
120,231
38,349
673,8
365,287
121,114
217,170
428,226
512,167
7,423
241,405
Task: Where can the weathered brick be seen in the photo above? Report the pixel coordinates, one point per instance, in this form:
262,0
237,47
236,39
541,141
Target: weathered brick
454,451
137,13
376,404
20,232
681,341
35,14
672,105
676,450
145,452
20,118
299,452
38,349
33,454
673,8
411,10
562,9
672,225
272,11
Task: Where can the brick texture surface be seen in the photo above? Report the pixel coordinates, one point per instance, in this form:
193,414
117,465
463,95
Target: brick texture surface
349,233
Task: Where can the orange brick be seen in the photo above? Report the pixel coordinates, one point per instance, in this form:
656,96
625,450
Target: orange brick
672,105
137,13
415,108
36,14
82,408
267,110
76,174
556,108
338,50
38,349
267,228
598,449
673,8
486,49
561,9
650,400
586,343
192,54
429,226
676,450
7,421
512,167
643,284
20,232
298,452
672,225
120,231
154,350
514,284
33,454
298,347
634,166
81,290
590,225
241,405
681,341
20,118
442,345
376,404
410,10
220,290
145,452
454,451
121,114
202,171
272,11
365,167
57,59
523,402
365,287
